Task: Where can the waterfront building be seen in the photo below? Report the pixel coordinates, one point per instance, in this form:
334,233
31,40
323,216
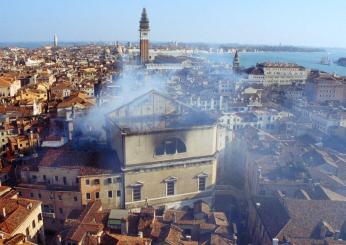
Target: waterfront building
270,74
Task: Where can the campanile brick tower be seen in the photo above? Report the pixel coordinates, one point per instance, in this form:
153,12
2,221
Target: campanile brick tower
144,37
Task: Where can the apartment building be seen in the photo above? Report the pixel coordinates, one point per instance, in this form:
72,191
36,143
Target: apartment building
66,179
20,216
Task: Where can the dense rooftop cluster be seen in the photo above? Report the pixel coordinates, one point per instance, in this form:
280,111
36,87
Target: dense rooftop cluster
262,149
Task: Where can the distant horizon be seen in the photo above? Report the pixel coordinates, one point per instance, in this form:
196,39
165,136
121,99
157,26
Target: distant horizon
172,41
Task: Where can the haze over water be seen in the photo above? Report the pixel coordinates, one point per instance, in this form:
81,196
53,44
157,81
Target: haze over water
309,60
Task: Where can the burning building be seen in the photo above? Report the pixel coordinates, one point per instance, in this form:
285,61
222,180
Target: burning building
169,152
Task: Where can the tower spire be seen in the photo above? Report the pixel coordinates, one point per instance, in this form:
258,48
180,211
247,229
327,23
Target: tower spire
55,40
236,62
144,22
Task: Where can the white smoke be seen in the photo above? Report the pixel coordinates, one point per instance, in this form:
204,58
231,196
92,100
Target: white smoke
128,86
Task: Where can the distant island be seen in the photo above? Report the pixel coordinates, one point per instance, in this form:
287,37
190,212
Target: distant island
280,48
341,61
181,45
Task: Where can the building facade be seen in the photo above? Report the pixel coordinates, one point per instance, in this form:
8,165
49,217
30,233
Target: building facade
283,74
169,154
65,180
324,87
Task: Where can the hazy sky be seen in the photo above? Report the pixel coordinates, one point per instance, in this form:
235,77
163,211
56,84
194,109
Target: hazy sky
293,22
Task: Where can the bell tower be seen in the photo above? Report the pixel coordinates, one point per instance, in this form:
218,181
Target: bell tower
144,37
236,62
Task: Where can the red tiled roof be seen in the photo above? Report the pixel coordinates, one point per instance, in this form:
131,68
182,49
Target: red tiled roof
117,239
306,215
91,221
17,211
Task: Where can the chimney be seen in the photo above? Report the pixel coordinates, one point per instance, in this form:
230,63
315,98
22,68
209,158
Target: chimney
29,206
337,235
31,138
124,226
3,213
275,241
221,102
58,239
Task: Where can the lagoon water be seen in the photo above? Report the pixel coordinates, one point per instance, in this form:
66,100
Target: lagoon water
309,60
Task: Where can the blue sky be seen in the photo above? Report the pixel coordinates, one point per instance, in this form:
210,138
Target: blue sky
289,22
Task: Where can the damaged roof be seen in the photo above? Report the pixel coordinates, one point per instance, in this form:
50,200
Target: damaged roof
156,111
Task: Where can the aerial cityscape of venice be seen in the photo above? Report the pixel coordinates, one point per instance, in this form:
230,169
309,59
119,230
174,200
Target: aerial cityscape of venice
172,122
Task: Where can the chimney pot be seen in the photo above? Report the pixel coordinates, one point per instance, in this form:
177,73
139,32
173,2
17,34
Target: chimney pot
3,214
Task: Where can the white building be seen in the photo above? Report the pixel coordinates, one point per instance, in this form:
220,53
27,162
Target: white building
261,119
270,74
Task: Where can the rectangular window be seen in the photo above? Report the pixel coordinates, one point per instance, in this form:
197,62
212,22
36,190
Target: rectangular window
59,197
61,210
56,178
109,180
136,193
201,183
96,181
39,217
64,180
87,182
45,208
97,195
118,193
39,195
88,196
110,194
170,188
44,178
77,180
75,199
33,224
31,194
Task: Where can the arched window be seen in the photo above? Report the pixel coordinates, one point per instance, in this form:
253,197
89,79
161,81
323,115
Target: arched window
170,146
